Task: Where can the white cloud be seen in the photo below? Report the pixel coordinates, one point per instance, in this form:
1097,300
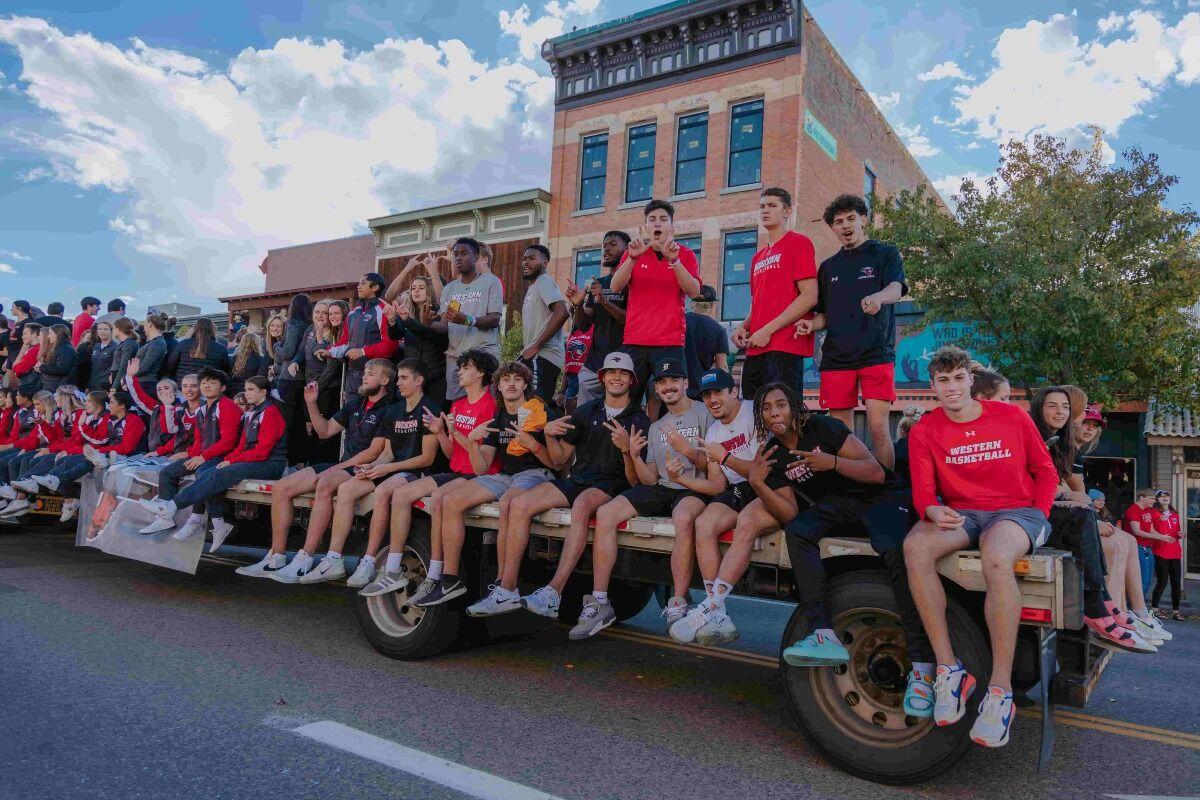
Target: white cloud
7,269
1046,80
531,33
946,69
14,255
950,185
886,102
916,140
299,142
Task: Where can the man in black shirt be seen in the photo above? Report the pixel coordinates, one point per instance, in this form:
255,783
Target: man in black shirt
600,306
856,289
706,343
360,418
596,435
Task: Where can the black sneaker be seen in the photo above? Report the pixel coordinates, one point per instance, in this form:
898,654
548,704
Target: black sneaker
442,592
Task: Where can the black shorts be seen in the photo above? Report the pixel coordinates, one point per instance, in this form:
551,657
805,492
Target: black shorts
883,520
656,500
644,359
442,478
737,496
325,467
771,367
545,378
571,490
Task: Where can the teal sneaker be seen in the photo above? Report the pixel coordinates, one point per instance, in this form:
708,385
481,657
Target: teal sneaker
918,695
817,650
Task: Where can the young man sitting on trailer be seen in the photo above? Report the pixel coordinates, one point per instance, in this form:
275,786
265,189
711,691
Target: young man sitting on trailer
981,477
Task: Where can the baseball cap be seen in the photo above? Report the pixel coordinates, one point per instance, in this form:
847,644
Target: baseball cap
669,368
618,360
1095,494
715,379
1092,414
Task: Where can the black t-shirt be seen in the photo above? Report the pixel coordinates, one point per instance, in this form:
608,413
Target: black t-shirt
608,333
822,433
853,338
510,464
704,339
361,422
405,429
597,459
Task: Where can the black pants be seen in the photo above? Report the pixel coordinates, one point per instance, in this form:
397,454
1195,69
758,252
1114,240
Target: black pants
1167,569
1076,529
646,360
545,378
834,516
772,367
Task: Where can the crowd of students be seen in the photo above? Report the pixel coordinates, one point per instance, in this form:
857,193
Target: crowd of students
410,380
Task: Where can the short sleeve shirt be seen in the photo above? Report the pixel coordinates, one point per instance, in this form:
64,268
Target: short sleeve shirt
362,420
822,433
535,312
406,430
691,424
467,416
503,437
737,437
597,459
654,316
853,338
1145,518
773,275
578,346
705,339
608,334
482,296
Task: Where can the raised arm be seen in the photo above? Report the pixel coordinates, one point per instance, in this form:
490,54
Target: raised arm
323,428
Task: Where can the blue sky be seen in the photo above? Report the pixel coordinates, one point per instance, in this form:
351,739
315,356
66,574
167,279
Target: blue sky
156,150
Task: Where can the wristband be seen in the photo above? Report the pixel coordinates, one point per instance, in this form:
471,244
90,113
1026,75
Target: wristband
675,263
470,321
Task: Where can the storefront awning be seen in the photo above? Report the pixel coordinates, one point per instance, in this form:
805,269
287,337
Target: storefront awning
1169,422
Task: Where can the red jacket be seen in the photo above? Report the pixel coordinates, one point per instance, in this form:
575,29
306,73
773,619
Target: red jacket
166,419
1168,524
89,430
81,325
386,347
7,420
270,430
228,422
70,429
44,433
127,446
22,366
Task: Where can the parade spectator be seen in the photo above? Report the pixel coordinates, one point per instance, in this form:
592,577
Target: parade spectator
600,309
471,306
543,314
1168,554
86,318
200,349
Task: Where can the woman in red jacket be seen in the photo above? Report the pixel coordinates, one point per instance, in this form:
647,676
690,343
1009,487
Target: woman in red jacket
261,454
68,409
44,432
1168,556
70,464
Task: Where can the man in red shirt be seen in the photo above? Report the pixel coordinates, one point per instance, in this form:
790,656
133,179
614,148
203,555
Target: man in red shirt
660,274
1139,520
986,462
86,319
783,288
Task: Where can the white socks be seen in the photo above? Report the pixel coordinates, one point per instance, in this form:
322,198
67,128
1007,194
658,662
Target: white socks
195,519
708,588
601,597
276,560
303,559
924,668
334,555
393,562
435,570
721,590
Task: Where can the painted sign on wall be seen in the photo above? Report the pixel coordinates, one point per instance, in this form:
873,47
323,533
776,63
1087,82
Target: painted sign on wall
820,134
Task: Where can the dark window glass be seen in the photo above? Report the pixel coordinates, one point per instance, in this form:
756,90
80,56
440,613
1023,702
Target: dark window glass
735,274
869,191
691,153
593,169
692,243
639,163
587,266
745,143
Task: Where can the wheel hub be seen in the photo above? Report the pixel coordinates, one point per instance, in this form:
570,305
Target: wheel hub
392,613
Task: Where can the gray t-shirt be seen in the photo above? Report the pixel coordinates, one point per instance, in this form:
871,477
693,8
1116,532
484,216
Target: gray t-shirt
692,424
484,295
534,313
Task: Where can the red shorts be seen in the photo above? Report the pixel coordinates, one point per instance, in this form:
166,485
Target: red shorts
840,387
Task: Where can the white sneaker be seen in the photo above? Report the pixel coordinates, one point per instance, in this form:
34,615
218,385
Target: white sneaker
543,602
329,569
363,573
259,570
1147,631
27,485
684,631
498,601
220,531
294,571
155,506
1154,622
95,457
18,507
70,509
7,492
676,610
393,582
49,482
717,632
4,504
189,529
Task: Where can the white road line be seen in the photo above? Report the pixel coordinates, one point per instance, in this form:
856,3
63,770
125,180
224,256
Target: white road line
473,782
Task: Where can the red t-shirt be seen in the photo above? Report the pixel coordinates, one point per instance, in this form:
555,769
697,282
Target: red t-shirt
654,316
81,325
1144,518
995,462
467,417
773,275
1168,525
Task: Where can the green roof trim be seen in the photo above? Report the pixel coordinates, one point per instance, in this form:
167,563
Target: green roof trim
612,23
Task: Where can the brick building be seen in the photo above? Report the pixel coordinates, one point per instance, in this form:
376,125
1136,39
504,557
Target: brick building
705,102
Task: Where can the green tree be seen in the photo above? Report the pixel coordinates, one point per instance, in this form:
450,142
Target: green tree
1072,271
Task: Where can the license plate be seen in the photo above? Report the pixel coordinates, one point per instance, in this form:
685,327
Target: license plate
47,505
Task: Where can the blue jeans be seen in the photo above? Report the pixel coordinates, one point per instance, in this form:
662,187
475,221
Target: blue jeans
18,464
69,469
39,465
1146,564
208,491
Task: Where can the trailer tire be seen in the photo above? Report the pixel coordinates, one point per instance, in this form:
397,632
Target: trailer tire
405,632
853,714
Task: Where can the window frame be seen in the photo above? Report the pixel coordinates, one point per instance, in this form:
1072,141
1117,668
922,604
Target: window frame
725,284
579,256
870,182
629,145
679,128
583,178
733,121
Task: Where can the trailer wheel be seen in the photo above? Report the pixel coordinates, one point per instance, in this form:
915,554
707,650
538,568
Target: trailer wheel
854,714
402,631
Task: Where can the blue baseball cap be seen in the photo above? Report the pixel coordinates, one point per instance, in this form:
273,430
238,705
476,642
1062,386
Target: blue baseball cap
1095,494
715,379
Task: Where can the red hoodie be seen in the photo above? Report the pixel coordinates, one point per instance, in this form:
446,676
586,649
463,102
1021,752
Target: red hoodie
23,365
995,462
228,422
81,325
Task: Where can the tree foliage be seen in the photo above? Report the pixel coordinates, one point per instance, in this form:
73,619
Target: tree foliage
1072,271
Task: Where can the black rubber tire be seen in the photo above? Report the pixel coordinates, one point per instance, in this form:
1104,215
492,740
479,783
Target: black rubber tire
899,757
438,626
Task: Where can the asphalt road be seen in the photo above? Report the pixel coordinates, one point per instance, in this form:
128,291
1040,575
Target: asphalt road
122,680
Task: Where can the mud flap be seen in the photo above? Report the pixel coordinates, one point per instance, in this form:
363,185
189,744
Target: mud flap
1047,667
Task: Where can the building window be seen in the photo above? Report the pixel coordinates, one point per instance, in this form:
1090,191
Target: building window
639,163
691,153
592,171
869,191
692,243
587,266
745,143
735,274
